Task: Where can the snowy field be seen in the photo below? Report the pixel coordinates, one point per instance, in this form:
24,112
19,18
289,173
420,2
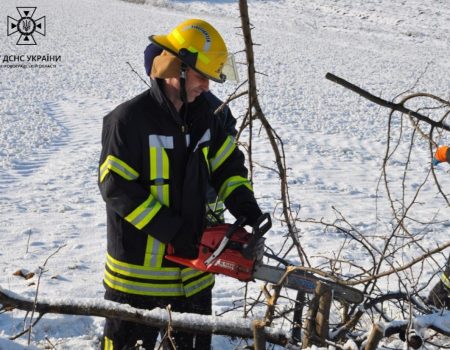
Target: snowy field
335,141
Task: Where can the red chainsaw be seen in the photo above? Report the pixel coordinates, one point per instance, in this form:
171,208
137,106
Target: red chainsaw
230,250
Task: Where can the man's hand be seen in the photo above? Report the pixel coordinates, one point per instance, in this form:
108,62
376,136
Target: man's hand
183,246
255,247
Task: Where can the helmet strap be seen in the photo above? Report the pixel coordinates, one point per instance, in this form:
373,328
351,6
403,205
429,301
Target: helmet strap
183,94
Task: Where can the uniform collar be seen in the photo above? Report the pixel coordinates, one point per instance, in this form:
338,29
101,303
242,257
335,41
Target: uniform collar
158,94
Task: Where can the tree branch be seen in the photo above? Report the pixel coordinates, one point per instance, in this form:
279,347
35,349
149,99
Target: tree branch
156,318
395,106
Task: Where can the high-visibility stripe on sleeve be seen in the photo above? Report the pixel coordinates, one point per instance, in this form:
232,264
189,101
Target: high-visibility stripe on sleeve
231,184
119,167
191,284
223,153
108,344
142,215
189,273
445,280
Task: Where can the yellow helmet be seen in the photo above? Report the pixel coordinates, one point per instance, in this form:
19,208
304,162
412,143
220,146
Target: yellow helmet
199,45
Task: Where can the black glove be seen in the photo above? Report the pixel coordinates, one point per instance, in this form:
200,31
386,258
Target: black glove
252,214
255,247
242,203
184,245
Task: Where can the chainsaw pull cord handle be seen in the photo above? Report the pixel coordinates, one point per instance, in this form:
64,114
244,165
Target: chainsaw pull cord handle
223,243
263,224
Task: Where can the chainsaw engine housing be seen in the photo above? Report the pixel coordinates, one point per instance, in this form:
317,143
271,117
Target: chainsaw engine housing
230,262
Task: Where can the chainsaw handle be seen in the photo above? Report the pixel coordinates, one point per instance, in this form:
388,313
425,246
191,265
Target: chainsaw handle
238,223
224,242
263,224
259,229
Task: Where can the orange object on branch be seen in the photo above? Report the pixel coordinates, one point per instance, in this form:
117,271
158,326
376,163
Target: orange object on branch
441,154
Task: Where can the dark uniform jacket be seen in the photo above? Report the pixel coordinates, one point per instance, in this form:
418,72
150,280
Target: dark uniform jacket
155,167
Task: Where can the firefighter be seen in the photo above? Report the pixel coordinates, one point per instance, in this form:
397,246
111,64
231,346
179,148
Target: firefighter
440,294
160,150
215,207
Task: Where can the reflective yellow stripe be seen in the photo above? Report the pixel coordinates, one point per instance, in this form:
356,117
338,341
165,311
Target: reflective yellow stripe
161,192
108,344
154,252
142,215
216,206
138,271
205,151
200,55
223,153
159,164
198,285
445,280
189,273
119,167
140,288
177,36
181,40
231,184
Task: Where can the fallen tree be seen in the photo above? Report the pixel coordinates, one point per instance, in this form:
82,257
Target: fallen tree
156,318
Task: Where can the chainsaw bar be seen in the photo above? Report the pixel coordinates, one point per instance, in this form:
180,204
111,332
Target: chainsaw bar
305,281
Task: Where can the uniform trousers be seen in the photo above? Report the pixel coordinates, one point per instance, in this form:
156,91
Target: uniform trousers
124,335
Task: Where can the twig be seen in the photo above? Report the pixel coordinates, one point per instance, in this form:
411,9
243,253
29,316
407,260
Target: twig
41,271
168,335
28,329
51,344
134,71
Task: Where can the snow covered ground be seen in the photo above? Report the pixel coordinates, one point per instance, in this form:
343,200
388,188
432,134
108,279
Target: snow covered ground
50,123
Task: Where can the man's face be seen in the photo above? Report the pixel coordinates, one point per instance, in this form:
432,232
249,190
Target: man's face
195,84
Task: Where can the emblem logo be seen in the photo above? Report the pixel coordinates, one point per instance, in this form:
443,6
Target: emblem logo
26,26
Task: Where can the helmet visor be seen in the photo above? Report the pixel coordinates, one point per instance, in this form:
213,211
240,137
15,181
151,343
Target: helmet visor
229,69
217,66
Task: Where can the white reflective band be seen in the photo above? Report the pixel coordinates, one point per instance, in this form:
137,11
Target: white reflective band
205,138
161,141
